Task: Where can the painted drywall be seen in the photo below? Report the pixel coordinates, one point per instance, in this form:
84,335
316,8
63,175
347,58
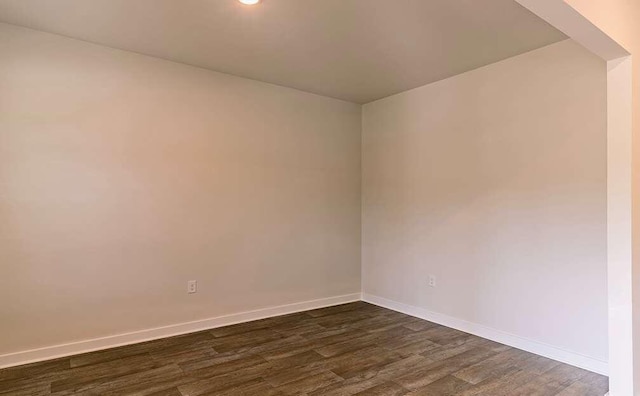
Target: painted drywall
494,181
358,50
619,19
124,176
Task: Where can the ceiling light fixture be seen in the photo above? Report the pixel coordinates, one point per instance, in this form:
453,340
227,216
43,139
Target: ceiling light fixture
249,2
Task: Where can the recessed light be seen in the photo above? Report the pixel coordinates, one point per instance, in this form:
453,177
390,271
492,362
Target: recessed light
249,2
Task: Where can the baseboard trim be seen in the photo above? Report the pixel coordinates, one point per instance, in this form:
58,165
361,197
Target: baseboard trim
96,344
539,348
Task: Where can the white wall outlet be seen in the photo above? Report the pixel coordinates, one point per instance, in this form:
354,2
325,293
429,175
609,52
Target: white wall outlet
432,281
192,286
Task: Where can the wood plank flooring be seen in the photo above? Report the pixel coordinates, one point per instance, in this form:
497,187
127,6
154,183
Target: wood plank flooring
352,349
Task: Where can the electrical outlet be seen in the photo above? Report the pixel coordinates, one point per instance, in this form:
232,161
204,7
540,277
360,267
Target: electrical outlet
432,280
192,286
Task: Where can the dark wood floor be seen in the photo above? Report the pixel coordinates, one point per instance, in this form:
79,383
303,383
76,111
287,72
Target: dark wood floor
351,349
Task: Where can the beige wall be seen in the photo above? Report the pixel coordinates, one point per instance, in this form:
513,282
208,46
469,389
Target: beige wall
494,181
620,19
123,176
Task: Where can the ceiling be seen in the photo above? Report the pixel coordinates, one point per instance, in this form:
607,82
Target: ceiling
356,50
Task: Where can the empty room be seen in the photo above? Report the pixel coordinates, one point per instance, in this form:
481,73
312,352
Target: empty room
319,197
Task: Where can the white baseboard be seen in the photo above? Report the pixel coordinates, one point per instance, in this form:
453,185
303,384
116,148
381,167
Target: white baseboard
539,348
74,348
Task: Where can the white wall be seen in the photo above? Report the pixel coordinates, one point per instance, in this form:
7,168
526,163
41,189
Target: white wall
495,182
123,176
